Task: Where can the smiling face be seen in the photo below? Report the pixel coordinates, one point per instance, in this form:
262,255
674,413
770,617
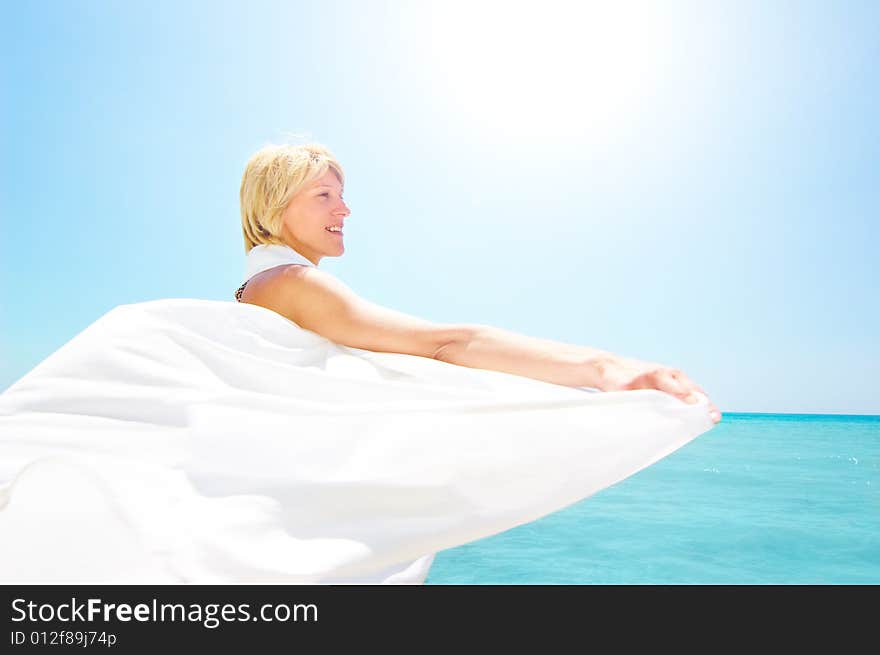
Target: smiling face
314,209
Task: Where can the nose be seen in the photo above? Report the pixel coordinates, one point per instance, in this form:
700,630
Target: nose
343,208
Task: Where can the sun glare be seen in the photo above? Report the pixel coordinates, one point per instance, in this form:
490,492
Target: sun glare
551,68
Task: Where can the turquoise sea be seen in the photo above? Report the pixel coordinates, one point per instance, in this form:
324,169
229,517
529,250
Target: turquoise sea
760,499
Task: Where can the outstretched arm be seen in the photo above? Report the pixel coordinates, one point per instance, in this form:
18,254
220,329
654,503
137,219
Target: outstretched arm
483,346
560,363
317,301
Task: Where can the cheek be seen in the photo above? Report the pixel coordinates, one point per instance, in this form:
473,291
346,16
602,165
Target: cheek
295,219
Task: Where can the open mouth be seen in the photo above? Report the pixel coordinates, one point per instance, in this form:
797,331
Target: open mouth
339,232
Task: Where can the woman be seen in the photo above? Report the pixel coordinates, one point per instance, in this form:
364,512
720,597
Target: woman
292,198
303,435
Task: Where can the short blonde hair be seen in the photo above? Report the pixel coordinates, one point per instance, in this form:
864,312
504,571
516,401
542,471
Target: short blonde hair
273,175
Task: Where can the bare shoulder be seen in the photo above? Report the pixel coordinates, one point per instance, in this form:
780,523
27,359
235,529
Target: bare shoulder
300,293
322,303
280,288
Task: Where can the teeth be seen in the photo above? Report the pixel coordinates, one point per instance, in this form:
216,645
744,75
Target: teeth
334,229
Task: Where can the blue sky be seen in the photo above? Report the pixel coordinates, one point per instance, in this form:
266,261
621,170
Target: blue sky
692,183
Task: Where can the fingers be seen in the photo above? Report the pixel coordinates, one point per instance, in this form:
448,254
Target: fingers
687,384
690,392
676,383
667,380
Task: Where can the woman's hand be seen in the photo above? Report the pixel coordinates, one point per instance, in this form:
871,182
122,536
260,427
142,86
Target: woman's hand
625,374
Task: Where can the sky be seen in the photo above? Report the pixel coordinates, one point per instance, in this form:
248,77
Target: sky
691,183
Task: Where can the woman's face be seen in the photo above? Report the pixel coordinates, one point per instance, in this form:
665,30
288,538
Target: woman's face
314,209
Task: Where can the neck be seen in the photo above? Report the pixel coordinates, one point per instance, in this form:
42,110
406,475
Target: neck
301,248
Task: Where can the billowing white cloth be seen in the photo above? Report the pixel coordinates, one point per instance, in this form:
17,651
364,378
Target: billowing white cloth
203,441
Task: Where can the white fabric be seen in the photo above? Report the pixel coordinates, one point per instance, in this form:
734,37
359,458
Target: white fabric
263,257
201,441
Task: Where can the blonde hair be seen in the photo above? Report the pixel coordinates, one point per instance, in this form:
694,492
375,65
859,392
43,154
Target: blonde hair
273,175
